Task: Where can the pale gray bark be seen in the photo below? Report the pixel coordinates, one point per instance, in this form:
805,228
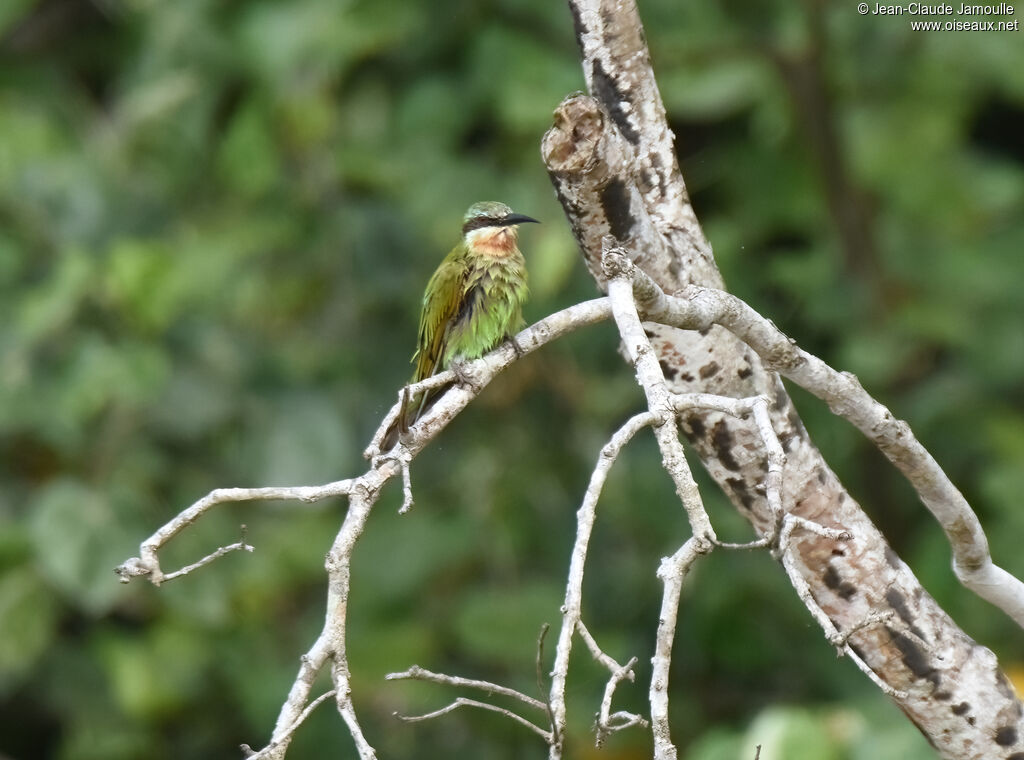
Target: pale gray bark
612,161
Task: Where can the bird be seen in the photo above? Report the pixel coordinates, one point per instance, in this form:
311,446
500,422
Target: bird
472,302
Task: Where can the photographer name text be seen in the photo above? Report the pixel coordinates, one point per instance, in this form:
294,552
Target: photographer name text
942,9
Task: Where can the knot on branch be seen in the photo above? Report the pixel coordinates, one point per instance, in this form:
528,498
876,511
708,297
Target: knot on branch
571,143
663,414
132,568
615,262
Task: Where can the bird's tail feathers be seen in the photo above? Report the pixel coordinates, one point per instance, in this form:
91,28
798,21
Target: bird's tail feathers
412,409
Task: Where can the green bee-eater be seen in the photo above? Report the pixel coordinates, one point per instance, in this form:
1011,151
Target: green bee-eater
473,301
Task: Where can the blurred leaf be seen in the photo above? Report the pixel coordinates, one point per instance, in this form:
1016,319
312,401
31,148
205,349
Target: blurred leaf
522,100
157,674
713,91
417,549
305,441
78,542
787,733
29,613
501,624
248,155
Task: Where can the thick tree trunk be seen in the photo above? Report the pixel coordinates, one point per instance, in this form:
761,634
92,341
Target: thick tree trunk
612,160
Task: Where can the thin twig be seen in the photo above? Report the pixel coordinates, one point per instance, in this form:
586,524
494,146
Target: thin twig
147,563
407,499
238,545
540,680
841,642
417,673
307,712
464,702
595,650
620,271
776,462
672,572
608,723
572,606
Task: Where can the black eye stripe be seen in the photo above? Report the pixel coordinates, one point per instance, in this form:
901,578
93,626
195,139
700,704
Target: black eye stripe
480,222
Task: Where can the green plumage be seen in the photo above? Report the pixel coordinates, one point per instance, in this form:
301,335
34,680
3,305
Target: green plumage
473,301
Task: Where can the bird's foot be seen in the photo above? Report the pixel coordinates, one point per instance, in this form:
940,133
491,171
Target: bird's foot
464,376
519,350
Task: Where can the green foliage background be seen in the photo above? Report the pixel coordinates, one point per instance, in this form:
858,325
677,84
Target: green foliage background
216,219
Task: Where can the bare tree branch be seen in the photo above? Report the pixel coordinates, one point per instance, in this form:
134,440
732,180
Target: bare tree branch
417,673
572,607
147,563
464,702
212,556
672,573
250,753
607,722
699,308
363,492
609,157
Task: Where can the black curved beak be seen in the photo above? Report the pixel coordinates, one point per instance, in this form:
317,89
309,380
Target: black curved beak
517,219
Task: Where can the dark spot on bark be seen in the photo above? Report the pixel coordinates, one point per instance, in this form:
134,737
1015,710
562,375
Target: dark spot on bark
612,98
970,720
615,202
960,709
577,23
668,370
838,553
1014,756
575,213
721,439
674,267
687,377
739,487
744,372
914,657
898,602
705,331
650,333
942,696
647,180
822,477
781,398
1006,736
892,558
655,160
696,426
844,589
797,423
709,370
